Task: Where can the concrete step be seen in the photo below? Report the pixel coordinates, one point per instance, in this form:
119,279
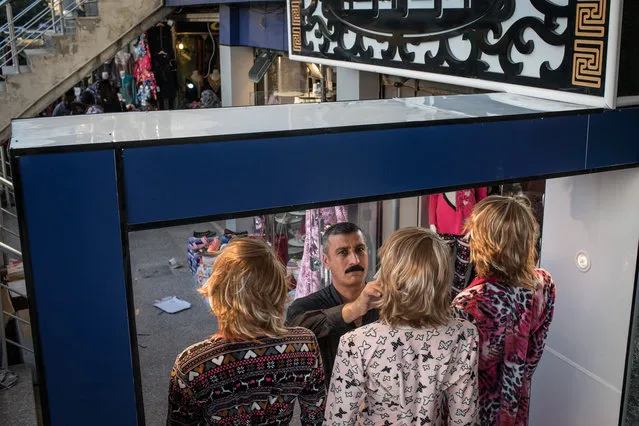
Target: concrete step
3,86
31,53
13,70
52,39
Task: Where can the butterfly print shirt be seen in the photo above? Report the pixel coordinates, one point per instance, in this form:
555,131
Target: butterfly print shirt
217,382
405,376
513,323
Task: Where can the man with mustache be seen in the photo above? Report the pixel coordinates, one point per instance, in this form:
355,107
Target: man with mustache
345,304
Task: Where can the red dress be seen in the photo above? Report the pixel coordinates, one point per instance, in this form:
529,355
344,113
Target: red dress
448,218
513,323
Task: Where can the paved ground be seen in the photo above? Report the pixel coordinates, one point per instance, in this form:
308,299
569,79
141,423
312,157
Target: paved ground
162,336
17,405
632,413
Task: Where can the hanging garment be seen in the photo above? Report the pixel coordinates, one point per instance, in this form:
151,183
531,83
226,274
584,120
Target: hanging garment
128,91
309,281
448,218
165,70
144,77
280,243
124,61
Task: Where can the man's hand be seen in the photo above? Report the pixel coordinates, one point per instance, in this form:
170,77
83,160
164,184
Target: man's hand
370,298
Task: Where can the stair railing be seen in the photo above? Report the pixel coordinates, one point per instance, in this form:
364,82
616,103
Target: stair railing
7,188
49,17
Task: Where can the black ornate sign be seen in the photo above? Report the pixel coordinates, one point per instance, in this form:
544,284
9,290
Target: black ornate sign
552,44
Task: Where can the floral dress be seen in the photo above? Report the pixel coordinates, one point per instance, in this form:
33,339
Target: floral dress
513,323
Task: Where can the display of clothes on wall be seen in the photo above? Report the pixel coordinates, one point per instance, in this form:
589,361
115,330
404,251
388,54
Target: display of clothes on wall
448,211
316,221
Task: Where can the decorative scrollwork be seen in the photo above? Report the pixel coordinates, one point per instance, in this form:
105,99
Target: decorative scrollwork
461,37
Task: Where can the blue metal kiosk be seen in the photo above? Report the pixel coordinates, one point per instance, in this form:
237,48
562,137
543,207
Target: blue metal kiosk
83,182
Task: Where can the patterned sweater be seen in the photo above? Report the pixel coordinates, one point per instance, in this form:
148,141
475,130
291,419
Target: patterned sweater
218,382
513,323
405,376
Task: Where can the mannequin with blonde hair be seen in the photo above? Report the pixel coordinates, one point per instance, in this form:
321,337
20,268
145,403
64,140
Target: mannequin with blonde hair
417,362
254,369
511,303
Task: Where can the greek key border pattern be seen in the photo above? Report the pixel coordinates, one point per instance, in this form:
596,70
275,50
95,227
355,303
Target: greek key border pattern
589,45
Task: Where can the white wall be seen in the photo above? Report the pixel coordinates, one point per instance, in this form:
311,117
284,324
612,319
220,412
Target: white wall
235,63
353,85
580,378
408,215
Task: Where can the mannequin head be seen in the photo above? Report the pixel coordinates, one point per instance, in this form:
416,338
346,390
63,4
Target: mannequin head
214,79
503,233
196,77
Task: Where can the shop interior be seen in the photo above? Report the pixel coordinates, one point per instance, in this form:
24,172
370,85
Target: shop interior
279,80
172,262
176,65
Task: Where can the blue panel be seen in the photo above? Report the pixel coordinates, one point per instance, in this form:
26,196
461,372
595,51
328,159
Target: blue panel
71,216
262,26
229,25
265,28
614,138
276,172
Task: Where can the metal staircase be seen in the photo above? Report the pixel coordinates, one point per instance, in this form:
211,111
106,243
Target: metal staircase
10,248
47,47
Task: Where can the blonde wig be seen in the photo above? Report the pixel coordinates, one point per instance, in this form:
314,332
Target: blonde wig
247,290
415,276
503,233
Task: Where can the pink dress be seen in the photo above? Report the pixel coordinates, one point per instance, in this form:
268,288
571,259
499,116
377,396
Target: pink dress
513,323
309,278
448,218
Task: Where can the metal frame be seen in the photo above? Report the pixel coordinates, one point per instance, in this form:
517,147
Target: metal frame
625,101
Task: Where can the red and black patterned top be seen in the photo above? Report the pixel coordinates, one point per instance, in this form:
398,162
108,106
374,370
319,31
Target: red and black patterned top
219,382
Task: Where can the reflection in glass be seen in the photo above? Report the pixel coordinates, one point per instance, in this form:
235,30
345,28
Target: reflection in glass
175,261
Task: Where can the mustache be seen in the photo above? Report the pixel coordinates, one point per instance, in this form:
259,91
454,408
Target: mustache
354,268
